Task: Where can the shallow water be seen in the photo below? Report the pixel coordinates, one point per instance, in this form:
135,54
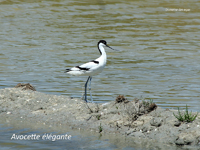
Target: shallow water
44,139
159,56
17,139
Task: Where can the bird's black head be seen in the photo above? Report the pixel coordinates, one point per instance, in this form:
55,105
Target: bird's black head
104,44
102,41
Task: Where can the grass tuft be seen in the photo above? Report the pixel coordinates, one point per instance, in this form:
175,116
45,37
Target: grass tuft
150,105
186,117
98,117
100,128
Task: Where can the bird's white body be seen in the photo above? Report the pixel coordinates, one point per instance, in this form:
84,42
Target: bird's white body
91,68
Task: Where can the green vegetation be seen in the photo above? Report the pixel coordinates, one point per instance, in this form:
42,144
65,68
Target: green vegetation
147,103
100,128
186,117
98,117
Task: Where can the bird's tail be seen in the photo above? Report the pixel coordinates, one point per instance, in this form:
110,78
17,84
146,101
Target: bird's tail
67,70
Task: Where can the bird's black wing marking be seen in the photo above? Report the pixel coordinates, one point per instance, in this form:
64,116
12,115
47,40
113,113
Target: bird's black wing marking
67,70
82,68
94,61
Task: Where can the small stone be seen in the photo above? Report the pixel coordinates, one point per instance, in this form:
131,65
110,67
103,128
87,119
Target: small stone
156,122
179,142
8,113
186,138
177,123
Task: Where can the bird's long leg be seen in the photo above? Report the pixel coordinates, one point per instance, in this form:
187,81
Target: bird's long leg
86,89
83,92
90,90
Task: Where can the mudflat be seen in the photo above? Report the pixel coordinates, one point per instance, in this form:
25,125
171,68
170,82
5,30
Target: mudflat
133,119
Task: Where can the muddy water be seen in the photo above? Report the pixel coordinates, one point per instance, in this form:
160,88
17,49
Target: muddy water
159,43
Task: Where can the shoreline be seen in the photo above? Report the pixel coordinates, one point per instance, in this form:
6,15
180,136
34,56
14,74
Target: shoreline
129,119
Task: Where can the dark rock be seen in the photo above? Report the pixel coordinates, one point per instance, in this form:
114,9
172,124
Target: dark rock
179,142
25,86
156,122
177,123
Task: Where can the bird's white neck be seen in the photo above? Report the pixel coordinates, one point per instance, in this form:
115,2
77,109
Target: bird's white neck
101,49
103,56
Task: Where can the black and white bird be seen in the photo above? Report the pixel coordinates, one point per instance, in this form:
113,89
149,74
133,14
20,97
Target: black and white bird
91,68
